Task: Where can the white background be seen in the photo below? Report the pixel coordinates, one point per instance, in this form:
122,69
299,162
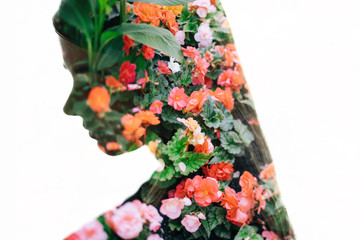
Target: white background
301,59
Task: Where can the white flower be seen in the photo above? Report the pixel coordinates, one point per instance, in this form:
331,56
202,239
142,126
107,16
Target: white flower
204,35
180,37
175,67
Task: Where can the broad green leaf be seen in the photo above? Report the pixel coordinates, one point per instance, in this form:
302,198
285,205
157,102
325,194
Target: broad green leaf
246,136
231,142
164,175
227,122
248,232
193,162
155,37
216,217
165,2
211,115
221,155
176,146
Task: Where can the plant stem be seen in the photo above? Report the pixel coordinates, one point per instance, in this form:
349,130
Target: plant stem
123,10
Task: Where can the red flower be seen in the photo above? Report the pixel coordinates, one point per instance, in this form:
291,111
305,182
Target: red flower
148,52
207,191
190,184
200,70
127,72
231,78
247,182
219,171
99,99
163,68
144,80
128,43
207,147
180,190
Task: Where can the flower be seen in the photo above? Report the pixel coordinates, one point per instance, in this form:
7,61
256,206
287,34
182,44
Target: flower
203,7
236,206
175,9
247,183
73,236
148,117
148,52
171,207
231,78
154,237
207,147
128,44
177,98
269,235
207,191
126,221
196,101
169,20
152,145
190,52
127,72
200,70
112,82
204,36
268,172
113,146
225,97
191,223
174,66
133,130
180,192
219,171
92,231
190,123
147,12
259,197
209,56
99,99
144,80
163,68
156,107
196,136
231,55
180,37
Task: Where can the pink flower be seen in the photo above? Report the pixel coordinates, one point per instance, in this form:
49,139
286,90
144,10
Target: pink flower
154,237
268,235
177,98
203,7
180,37
156,107
191,223
126,221
204,36
92,231
172,207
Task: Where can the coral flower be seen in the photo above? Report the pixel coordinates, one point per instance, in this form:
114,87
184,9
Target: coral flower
180,192
128,44
207,191
259,197
268,235
236,206
196,101
231,78
237,217
114,83
163,68
113,146
225,97
92,231
177,98
169,20
190,52
148,52
132,128
144,80
172,207
231,55
73,236
127,72
99,99
209,56
190,184
207,147
148,117
191,223
268,172
247,182
156,107
147,12
219,171
200,70
126,221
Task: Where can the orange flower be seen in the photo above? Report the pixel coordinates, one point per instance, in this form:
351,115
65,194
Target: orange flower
163,68
219,171
190,52
113,146
247,182
220,49
148,52
147,12
225,97
156,107
207,147
236,207
231,55
196,101
175,9
133,130
231,78
114,83
99,99
153,145
259,197
169,20
207,191
268,172
127,72
148,117
128,43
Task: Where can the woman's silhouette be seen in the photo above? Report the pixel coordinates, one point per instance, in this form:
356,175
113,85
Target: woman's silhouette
168,76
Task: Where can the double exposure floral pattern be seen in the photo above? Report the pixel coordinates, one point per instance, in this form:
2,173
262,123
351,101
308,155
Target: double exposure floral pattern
181,100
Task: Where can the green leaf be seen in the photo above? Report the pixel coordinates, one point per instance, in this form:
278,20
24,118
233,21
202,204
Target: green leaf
246,136
227,122
185,14
211,115
175,225
193,162
111,53
216,217
165,2
223,233
221,155
176,146
164,175
248,232
155,37
231,142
